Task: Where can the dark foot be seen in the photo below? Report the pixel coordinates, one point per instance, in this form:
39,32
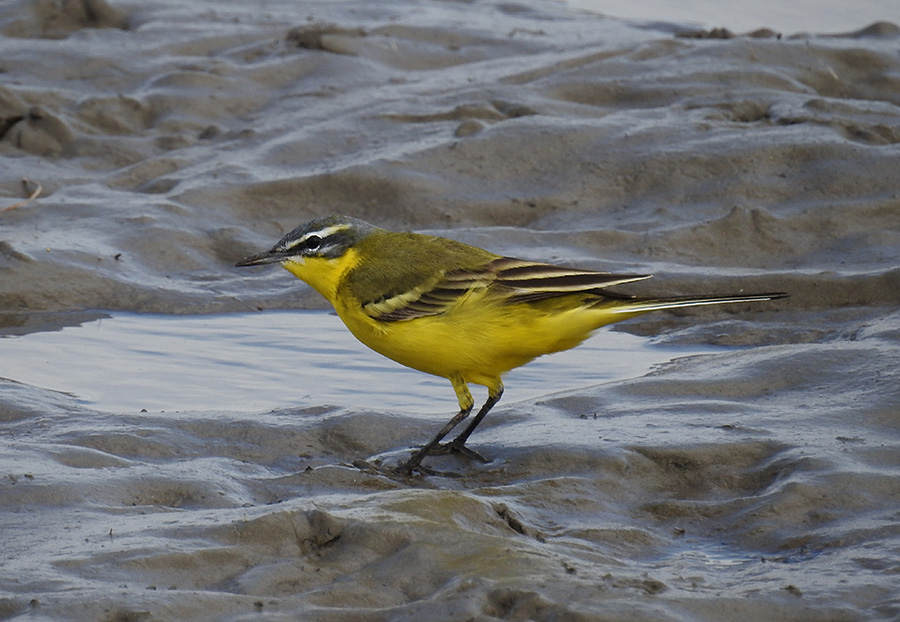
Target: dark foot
406,469
410,469
454,447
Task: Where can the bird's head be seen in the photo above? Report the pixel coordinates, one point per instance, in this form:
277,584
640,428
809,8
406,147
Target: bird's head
329,237
318,252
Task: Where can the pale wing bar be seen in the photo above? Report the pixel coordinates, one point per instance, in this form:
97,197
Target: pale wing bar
529,278
425,301
522,280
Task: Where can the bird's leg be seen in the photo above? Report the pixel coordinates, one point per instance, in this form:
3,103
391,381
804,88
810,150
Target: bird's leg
416,459
458,444
465,407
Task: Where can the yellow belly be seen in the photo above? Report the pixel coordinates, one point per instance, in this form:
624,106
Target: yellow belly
477,339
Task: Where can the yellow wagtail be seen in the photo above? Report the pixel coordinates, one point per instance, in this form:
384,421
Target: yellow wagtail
454,310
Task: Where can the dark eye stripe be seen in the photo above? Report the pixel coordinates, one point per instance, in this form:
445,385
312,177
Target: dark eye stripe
327,242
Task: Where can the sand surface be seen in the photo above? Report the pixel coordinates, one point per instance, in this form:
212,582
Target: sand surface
755,479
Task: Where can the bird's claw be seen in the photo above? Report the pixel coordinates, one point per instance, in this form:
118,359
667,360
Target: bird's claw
457,448
414,464
408,470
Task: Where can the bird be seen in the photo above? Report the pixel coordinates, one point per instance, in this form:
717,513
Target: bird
457,311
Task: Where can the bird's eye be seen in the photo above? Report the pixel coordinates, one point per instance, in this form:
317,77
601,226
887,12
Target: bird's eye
312,242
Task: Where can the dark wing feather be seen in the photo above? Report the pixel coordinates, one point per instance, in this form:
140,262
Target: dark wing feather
529,280
515,280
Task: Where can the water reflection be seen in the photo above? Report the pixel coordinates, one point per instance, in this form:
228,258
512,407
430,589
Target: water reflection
261,361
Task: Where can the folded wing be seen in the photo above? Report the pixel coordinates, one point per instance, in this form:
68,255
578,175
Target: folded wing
514,280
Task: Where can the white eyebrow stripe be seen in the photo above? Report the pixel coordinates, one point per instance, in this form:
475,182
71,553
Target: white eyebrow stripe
322,233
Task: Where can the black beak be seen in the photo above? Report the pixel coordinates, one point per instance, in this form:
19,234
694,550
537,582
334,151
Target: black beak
260,259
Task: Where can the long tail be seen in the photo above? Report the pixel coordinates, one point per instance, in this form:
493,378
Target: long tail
643,305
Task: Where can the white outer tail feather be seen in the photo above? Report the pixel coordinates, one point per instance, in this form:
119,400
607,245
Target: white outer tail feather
640,306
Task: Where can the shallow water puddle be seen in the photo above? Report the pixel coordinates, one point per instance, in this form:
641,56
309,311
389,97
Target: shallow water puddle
259,361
